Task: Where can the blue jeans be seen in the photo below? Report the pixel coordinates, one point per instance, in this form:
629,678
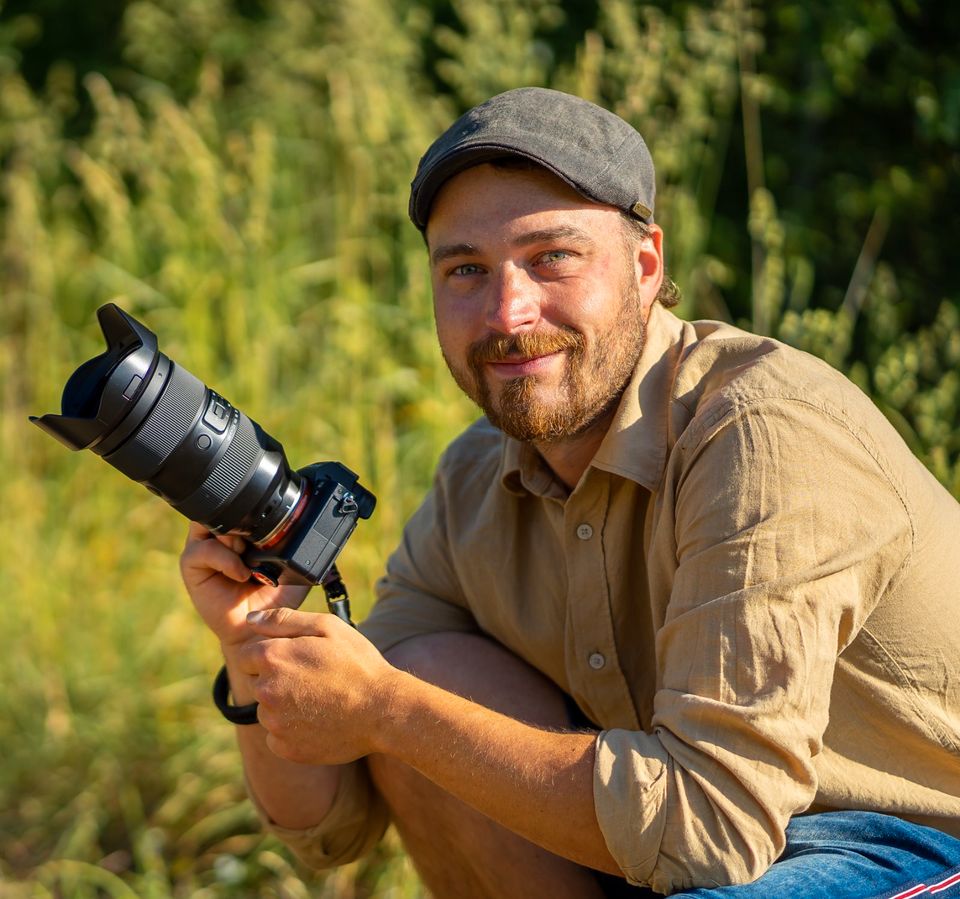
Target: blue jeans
851,855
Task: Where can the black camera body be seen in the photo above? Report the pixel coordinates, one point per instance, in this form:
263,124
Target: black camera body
161,426
334,502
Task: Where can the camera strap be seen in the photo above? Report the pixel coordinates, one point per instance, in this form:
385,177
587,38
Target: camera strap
235,714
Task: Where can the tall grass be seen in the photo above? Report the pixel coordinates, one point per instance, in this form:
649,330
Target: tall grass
246,198
260,239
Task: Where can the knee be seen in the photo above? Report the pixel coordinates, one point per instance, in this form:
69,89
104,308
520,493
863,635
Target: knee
486,672
433,657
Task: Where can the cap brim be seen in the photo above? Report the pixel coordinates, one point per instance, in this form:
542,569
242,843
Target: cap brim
425,192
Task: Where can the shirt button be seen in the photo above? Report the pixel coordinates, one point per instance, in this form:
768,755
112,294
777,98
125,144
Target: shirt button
596,660
584,531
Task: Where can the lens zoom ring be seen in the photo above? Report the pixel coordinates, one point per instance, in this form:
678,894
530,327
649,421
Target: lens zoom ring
175,411
237,462
164,428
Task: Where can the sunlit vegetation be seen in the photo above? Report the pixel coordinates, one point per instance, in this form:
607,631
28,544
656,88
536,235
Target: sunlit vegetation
235,175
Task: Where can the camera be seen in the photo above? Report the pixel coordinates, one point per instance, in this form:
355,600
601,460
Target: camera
161,426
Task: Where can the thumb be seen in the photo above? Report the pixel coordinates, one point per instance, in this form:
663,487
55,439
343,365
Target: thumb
285,622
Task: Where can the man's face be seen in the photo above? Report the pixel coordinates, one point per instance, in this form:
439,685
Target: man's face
540,299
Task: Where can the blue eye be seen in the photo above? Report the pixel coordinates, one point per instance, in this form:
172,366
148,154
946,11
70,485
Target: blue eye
468,268
554,256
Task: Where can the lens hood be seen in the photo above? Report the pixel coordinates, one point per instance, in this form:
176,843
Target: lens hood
103,392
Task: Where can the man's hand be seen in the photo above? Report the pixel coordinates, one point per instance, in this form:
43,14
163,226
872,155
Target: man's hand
321,685
219,585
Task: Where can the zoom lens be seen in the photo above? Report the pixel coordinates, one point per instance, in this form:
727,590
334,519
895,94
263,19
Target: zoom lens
161,426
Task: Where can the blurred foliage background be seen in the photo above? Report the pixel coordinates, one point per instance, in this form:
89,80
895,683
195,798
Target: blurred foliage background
235,173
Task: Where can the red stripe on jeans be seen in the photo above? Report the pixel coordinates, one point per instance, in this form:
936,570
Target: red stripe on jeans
913,891
945,884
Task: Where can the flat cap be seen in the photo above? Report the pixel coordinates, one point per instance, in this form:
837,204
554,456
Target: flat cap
595,151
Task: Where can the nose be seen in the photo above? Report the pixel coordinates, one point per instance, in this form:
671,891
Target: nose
514,304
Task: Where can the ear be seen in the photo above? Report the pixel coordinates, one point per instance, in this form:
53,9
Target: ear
648,265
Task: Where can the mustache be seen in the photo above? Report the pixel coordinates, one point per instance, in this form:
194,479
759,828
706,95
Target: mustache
525,345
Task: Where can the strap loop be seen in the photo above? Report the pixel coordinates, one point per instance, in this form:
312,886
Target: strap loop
235,714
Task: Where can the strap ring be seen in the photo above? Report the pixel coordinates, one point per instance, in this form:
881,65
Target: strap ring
235,714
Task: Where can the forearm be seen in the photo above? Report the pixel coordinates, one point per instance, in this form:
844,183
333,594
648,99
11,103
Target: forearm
535,782
312,669
293,795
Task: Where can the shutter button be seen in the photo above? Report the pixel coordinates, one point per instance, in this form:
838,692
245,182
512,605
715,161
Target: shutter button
584,531
596,660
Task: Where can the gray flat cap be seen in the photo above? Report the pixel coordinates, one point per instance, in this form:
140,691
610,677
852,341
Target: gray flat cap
596,152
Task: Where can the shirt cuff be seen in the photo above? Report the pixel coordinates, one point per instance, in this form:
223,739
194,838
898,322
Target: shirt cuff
629,794
354,824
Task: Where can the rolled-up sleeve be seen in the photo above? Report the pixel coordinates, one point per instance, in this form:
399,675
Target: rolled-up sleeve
354,824
785,530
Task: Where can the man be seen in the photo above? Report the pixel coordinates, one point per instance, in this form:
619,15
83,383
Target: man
678,615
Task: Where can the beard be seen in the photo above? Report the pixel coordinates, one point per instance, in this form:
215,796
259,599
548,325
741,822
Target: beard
593,380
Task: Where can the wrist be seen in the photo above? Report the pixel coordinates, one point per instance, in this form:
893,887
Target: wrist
241,685
392,702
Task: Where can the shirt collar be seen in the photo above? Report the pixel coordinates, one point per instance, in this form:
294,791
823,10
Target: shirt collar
522,471
635,446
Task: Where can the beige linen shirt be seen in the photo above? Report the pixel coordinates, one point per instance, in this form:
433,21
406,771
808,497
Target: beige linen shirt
753,591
